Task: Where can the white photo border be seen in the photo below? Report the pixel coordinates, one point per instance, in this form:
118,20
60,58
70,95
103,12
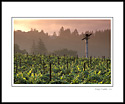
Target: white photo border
60,85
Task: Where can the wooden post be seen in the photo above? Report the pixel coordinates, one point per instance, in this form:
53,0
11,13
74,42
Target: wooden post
104,58
107,64
27,57
84,66
50,72
90,60
58,60
40,60
20,63
43,66
16,64
34,57
67,64
64,59
27,54
74,59
64,55
77,59
77,56
41,72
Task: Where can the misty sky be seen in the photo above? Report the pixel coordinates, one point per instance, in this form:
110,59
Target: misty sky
54,25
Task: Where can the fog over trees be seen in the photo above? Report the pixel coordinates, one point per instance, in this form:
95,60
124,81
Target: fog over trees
65,41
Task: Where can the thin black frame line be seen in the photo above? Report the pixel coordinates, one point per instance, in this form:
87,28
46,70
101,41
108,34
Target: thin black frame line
60,86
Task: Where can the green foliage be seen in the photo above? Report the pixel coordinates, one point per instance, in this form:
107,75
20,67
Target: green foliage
35,69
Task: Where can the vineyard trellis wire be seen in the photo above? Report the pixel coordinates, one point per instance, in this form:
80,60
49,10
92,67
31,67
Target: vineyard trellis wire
45,69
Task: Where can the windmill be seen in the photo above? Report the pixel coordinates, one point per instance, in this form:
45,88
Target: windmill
86,42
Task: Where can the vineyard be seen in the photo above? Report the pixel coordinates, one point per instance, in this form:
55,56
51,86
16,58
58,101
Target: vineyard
52,69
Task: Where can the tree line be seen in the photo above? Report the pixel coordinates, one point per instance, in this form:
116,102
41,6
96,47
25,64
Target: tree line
40,48
66,41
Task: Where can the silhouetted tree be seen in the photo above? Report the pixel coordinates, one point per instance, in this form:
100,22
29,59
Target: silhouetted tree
42,32
75,32
67,32
33,48
31,29
54,34
61,31
41,47
18,50
64,33
46,34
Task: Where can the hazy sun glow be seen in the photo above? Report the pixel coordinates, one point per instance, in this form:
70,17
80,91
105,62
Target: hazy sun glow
54,25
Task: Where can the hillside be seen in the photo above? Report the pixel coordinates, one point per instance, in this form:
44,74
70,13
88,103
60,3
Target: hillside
99,42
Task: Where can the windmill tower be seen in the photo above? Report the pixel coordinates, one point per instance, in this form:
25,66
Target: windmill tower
86,42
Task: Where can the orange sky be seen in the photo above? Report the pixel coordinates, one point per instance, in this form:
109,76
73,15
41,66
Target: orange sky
53,25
